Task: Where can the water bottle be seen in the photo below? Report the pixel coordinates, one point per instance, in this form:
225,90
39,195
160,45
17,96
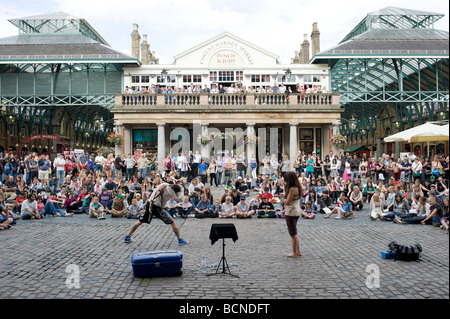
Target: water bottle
203,266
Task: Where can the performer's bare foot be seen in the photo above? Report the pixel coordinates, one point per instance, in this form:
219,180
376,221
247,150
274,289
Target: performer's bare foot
292,255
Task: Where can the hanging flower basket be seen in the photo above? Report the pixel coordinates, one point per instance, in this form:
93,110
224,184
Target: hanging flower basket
115,138
252,139
204,139
339,140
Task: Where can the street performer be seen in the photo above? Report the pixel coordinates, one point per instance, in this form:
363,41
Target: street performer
155,208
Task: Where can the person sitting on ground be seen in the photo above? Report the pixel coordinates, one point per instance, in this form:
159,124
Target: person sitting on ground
53,206
203,208
266,208
344,212
195,196
96,209
308,211
376,206
71,203
185,207
235,198
243,209
243,189
423,211
118,207
267,193
356,198
325,203
445,209
134,210
5,219
228,209
171,207
436,213
400,208
254,203
216,208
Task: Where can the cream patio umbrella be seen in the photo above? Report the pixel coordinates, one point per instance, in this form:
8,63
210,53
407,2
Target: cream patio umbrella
427,132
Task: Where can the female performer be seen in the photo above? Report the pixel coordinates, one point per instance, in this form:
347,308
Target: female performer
291,201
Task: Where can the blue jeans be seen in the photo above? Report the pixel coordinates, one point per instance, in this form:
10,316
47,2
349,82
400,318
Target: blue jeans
228,175
60,178
28,215
128,174
53,209
308,174
182,212
143,172
392,216
219,178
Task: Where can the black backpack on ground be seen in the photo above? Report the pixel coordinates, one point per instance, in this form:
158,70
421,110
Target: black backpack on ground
406,252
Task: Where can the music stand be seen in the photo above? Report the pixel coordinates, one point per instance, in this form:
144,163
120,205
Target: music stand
222,231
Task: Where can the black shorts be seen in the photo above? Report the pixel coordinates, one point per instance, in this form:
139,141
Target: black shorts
156,212
291,222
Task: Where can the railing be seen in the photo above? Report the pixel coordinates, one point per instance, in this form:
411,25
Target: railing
310,99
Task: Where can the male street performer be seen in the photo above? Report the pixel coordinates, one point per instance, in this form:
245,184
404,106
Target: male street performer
155,208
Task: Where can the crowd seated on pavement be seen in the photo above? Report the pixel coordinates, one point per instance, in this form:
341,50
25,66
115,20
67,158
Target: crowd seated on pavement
408,190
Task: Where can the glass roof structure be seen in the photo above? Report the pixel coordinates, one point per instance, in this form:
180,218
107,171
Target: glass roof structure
392,65
57,23
57,67
393,18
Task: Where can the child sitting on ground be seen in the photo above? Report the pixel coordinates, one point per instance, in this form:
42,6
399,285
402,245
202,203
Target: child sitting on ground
308,211
346,212
228,210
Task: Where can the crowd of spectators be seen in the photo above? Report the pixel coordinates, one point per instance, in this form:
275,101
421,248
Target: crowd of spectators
412,189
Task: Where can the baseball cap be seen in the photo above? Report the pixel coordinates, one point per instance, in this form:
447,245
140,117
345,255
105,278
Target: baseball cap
243,198
120,196
264,196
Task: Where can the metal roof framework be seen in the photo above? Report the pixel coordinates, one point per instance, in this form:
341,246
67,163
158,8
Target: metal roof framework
58,67
392,66
393,17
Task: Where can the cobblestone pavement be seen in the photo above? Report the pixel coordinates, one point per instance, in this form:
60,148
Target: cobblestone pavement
34,257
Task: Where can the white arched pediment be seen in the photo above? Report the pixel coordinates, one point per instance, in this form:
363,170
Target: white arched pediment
225,51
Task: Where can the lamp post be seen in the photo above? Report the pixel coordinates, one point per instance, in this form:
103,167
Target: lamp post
10,120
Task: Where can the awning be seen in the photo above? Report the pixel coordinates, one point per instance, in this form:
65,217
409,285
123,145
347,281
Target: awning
360,148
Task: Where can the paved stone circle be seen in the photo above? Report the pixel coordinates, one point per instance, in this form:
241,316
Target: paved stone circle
338,257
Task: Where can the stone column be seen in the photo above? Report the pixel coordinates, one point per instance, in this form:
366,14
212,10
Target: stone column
293,143
251,148
161,144
204,149
127,140
118,148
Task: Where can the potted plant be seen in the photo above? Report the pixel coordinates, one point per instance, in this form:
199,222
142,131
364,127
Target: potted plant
251,139
114,138
204,139
339,140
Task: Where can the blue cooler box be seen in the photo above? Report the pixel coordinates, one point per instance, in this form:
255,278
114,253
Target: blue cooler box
157,263
388,254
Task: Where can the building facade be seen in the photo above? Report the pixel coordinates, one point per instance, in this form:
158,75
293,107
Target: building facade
261,95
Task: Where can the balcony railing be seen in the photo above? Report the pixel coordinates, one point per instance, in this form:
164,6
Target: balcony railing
186,99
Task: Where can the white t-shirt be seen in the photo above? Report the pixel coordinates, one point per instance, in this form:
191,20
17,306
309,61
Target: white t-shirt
59,161
129,162
99,160
31,206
